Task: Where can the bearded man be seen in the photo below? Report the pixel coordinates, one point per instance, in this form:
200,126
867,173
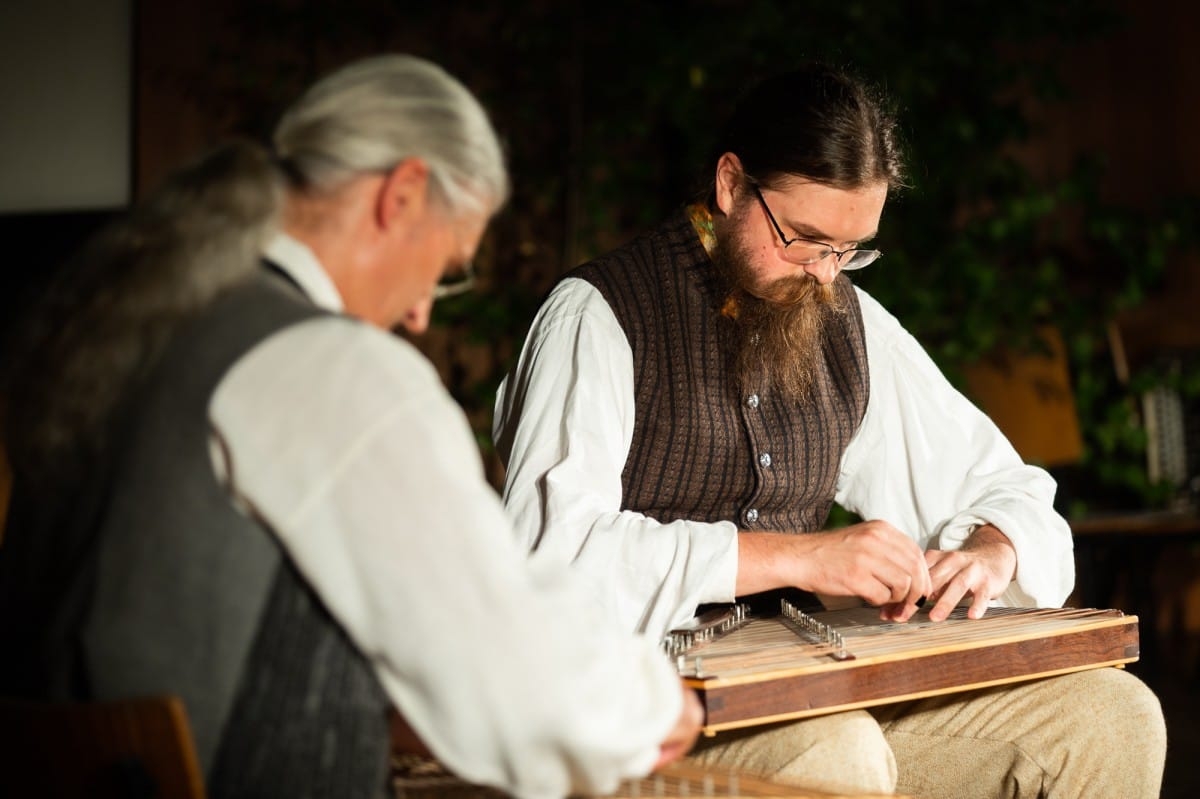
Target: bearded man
687,408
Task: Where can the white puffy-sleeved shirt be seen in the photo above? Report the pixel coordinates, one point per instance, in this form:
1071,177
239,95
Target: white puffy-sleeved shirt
343,441
924,459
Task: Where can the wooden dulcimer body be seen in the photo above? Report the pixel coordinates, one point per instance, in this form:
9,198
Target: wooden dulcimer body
760,670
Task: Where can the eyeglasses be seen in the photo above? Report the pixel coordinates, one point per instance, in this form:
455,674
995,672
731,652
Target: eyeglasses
812,251
460,283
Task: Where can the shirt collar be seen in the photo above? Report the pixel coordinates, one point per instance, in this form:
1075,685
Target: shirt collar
302,266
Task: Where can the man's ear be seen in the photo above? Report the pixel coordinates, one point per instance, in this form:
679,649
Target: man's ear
403,193
729,177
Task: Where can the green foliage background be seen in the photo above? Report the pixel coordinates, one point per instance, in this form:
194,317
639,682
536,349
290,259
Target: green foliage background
608,110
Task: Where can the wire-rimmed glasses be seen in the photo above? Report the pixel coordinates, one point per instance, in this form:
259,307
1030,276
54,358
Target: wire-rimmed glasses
810,251
459,283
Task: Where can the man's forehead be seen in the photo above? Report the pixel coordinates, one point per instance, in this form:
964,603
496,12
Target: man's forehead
788,184
809,207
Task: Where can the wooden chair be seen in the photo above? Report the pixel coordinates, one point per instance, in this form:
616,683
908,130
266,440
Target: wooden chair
128,749
1030,398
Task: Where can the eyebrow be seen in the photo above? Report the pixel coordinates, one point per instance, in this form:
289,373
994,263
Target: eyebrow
815,234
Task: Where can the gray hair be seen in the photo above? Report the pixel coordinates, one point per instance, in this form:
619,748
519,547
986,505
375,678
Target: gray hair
371,115
107,316
112,310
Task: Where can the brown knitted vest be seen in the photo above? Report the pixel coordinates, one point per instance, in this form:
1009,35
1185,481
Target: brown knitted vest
702,449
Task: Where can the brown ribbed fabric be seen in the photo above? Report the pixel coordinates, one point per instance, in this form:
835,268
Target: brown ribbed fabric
702,449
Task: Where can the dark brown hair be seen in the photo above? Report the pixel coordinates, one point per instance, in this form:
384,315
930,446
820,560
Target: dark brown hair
815,122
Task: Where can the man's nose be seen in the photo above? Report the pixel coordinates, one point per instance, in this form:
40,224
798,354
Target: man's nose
416,320
824,270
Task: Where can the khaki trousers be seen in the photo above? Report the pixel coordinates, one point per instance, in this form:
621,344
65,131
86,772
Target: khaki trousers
1097,733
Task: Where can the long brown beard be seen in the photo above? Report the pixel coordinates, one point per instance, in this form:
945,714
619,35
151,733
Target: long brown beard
779,325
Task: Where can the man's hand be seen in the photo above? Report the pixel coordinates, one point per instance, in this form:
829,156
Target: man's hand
983,568
872,560
683,736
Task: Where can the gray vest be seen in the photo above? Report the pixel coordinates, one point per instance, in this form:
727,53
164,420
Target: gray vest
702,449
177,592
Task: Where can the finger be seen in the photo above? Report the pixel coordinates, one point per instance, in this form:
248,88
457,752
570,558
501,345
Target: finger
922,587
909,564
906,591
979,603
900,612
903,611
687,729
947,601
952,575
884,583
878,594
669,752
945,566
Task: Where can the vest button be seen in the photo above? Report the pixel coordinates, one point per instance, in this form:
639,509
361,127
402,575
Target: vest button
764,459
752,401
752,515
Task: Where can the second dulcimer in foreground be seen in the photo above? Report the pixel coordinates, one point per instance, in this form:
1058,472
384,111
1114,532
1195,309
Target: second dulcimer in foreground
750,670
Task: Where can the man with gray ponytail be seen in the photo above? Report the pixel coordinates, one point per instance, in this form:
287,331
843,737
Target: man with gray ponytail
274,509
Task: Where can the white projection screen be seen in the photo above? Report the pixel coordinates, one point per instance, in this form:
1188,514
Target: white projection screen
66,85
